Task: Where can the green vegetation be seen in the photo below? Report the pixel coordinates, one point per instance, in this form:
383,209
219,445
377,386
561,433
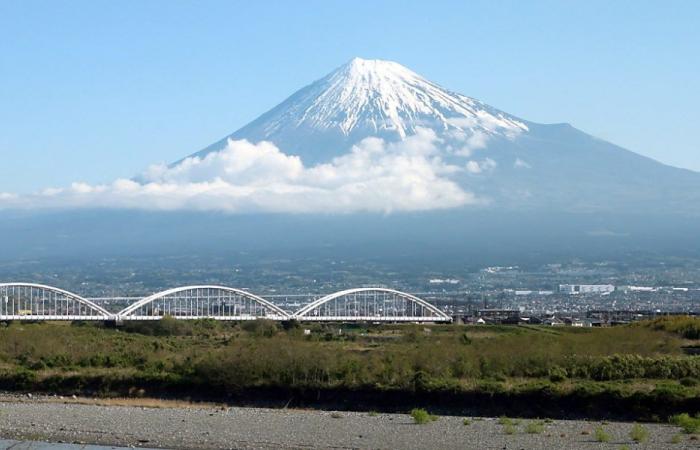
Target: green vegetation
466,422
421,416
536,427
633,371
689,424
503,420
509,428
639,433
689,381
508,424
686,327
676,439
601,435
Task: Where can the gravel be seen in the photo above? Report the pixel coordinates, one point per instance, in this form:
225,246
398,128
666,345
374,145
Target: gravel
36,419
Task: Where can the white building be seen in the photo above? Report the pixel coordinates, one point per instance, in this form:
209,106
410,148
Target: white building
575,289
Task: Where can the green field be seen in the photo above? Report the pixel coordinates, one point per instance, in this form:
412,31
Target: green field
638,371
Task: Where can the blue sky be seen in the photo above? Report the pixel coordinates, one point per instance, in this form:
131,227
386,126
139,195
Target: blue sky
96,90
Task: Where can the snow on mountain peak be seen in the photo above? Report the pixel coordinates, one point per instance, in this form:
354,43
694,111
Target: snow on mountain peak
372,98
377,96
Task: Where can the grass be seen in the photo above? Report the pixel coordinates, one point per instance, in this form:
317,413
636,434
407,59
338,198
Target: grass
421,416
535,427
635,365
466,422
601,435
676,439
639,433
503,420
689,424
508,424
687,327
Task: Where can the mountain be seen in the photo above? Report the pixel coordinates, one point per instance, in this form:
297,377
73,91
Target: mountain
508,161
555,193
368,98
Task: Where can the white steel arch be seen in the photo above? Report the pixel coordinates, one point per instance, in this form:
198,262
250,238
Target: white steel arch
31,301
205,301
371,304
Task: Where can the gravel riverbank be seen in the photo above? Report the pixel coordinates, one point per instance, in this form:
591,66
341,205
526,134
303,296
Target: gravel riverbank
214,427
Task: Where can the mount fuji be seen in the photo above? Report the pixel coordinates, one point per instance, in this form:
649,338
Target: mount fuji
544,191
510,162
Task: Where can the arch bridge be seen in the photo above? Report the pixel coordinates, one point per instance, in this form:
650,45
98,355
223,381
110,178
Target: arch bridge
371,305
33,302
30,301
198,302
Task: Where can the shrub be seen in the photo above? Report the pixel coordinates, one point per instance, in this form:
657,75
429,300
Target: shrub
466,422
421,416
601,435
503,420
686,327
689,425
24,379
534,427
689,381
557,374
639,433
261,327
166,326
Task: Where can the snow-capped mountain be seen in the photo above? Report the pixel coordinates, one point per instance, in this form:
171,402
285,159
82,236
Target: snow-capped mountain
370,98
507,161
541,191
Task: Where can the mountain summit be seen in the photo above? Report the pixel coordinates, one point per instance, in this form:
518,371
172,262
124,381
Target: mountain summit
381,98
512,163
366,98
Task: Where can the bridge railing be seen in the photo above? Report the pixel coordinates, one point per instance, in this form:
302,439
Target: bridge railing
29,301
371,304
197,302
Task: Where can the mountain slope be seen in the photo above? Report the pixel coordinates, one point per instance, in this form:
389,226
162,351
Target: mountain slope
368,98
509,162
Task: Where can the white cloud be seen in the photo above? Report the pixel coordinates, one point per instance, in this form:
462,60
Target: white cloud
464,143
244,177
476,167
476,141
520,164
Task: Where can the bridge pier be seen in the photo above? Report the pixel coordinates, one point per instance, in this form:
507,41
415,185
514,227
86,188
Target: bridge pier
114,322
